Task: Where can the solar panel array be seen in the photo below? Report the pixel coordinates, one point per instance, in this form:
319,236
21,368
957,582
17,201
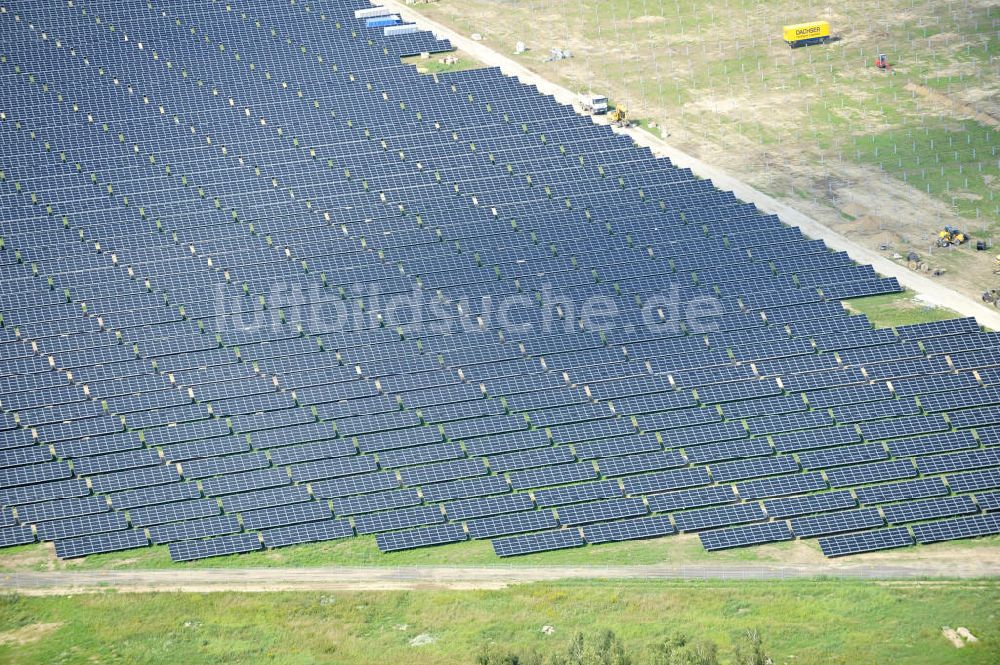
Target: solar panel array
263,285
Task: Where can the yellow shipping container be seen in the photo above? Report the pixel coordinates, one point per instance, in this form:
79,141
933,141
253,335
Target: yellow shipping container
812,33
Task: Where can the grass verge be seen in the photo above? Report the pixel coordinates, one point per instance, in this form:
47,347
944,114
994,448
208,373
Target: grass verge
814,622
684,549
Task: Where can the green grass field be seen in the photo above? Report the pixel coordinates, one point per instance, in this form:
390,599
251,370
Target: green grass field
805,623
956,162
435,63
897,309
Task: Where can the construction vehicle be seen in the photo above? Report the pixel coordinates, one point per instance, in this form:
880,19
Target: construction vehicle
882,62
594,104
950,236
806,34
619,117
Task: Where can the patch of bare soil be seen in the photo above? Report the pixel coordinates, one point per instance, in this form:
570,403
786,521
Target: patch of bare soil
942,38
966,634
797,552
27,634
939,99
953,637
36,558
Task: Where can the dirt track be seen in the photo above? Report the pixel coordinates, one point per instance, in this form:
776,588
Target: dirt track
949,102
930,291
443,577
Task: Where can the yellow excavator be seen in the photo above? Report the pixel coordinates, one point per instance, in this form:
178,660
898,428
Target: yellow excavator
950,236
619,117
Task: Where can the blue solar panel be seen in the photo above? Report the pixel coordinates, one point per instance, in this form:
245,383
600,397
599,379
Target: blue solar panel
837,522
935,443
742,536
154,495
101,543
988,500
900,427
601,511
203,549
928,509
368,503
17,535
553,475
908,489
504,443
398,519
615,447
975,480
134,479
753,468
420,455
310,532
34,473
443,471
531,459
960,461
81,526
460,489
867,541
432,535
191,529
781,485
173,512
666,480
824,459
630,529
707,518
501,525
692,498
958,528
808,440
235,503
360,484
245,482
602,489
275,516
863,474
537,542
728,450
485,506
813,503
51,510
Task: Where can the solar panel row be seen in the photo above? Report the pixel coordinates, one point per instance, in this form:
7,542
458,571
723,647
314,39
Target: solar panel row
271,416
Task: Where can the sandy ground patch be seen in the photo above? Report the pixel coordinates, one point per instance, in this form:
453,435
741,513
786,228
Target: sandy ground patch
952,636
951,103
27,634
